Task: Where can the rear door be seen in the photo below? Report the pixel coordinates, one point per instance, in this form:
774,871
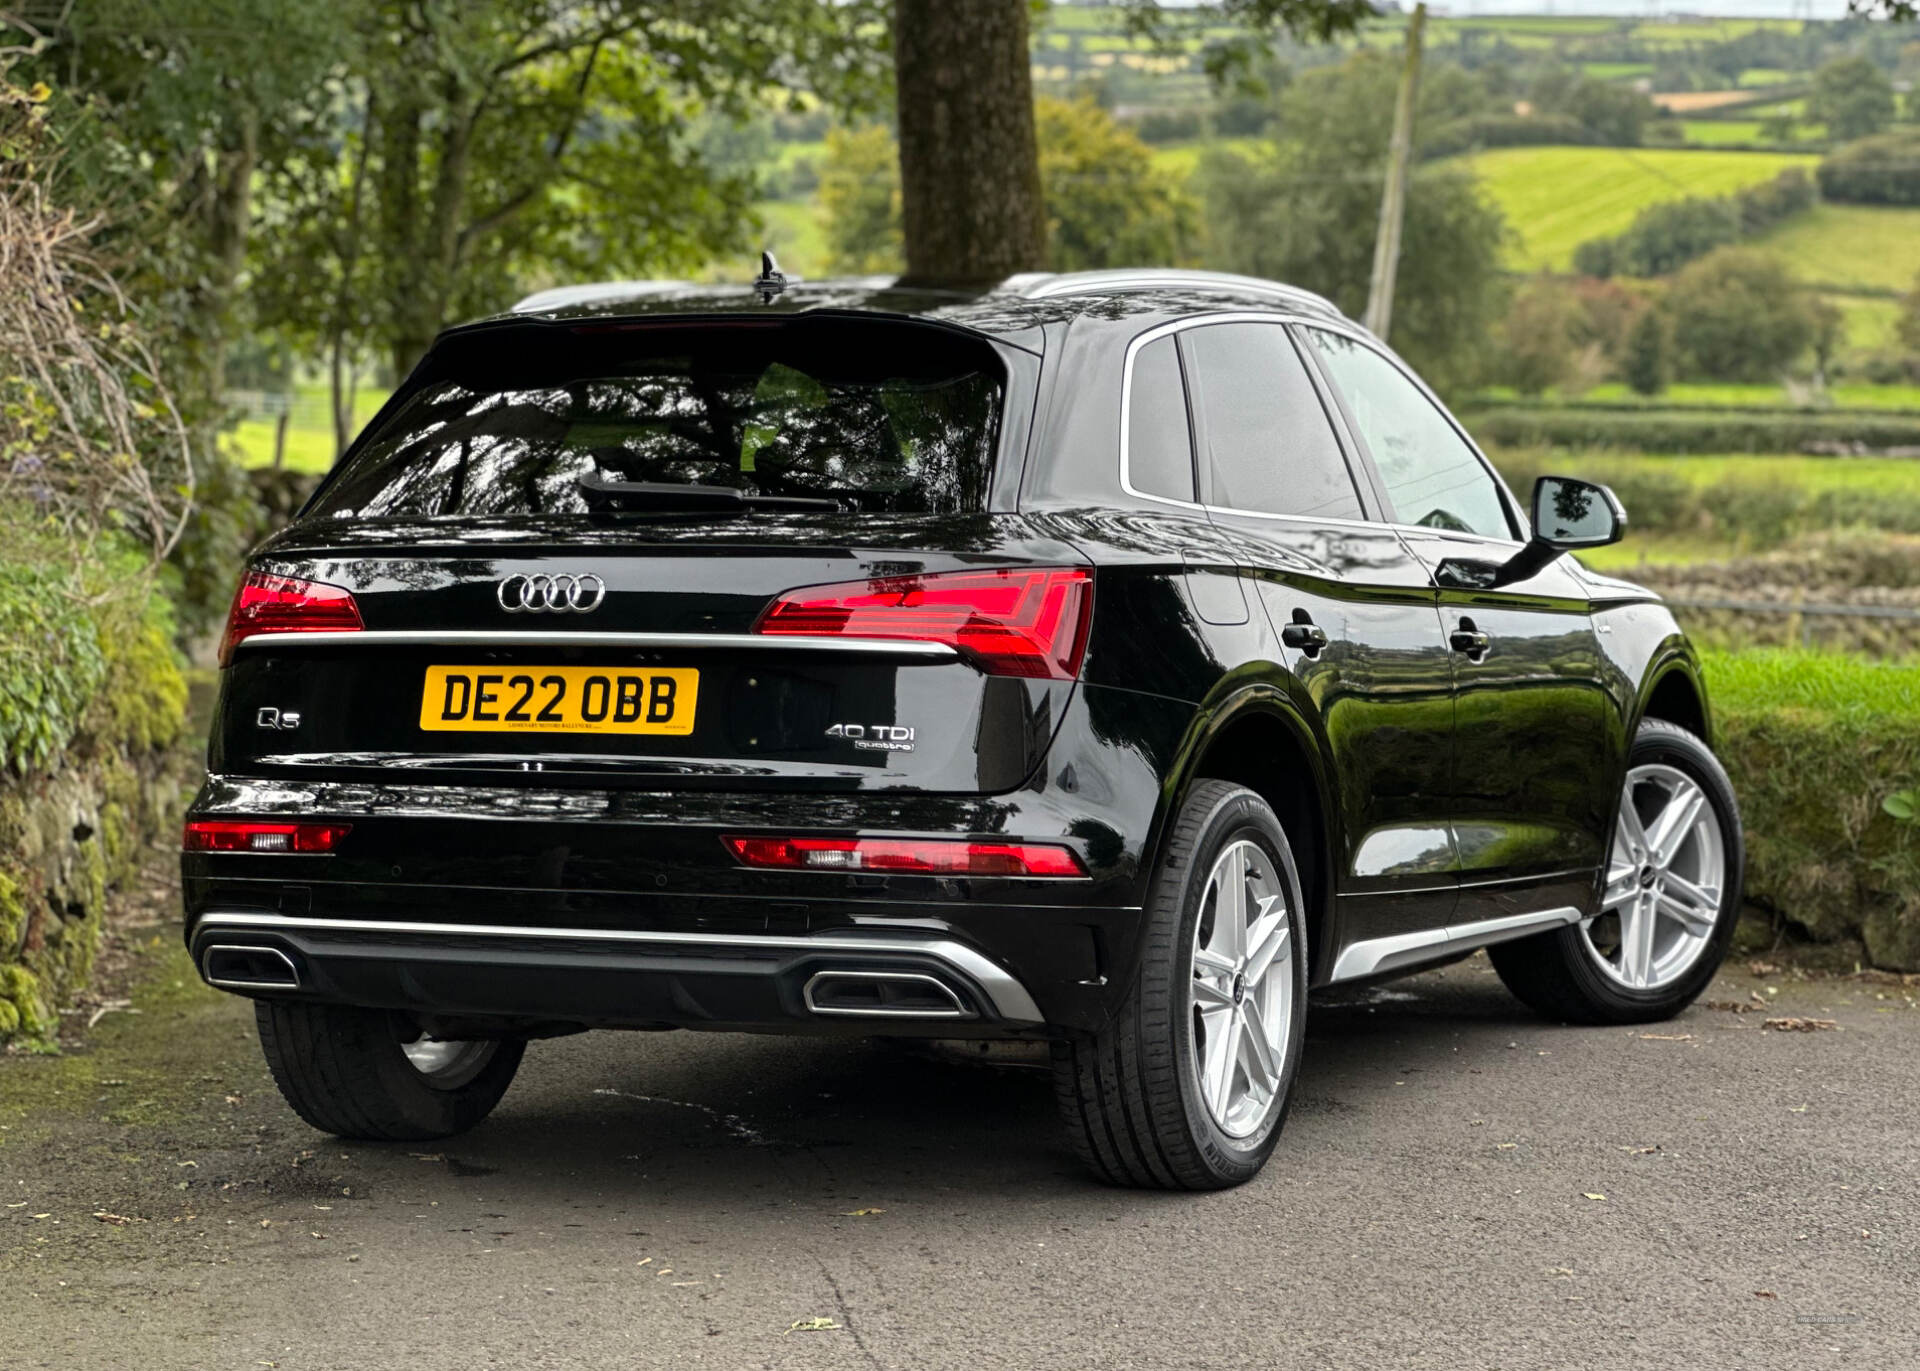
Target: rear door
1536,733
1355,613
744,555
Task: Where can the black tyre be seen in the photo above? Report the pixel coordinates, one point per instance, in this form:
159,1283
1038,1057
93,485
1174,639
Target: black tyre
1189,1086
1670,903
365,1073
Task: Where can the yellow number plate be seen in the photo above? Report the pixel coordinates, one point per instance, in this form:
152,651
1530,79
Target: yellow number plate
558,699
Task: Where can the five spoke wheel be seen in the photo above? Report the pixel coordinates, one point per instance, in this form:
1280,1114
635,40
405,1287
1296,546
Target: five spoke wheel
1242,996
1664,881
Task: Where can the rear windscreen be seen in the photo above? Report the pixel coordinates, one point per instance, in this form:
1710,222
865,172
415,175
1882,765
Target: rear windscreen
879,416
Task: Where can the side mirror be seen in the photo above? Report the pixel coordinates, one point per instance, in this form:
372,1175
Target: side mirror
1570,514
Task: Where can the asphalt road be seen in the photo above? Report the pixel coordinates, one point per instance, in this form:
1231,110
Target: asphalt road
1459,1186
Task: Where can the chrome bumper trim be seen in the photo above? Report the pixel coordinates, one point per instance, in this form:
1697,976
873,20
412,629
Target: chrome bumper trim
518,637
1010,999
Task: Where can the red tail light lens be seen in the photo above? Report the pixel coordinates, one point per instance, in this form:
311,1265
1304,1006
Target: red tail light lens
1024,622
907,856
249,835
285,604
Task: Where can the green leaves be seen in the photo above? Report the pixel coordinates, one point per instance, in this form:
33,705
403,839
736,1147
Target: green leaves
1903,804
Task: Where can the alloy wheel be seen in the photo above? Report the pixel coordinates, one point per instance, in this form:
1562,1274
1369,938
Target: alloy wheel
447,1063
1241,1001
1665,877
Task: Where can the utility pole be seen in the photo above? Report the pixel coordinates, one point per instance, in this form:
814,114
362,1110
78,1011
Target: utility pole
1393,202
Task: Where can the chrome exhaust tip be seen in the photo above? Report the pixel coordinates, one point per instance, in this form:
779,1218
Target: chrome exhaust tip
884,995
248,968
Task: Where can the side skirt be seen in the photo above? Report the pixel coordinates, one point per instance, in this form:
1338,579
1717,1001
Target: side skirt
1373,956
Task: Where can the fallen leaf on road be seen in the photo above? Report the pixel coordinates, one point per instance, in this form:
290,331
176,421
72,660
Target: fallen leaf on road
233,1099
428,1156
644,1261
679,1285
1763,968
861,1213
1796,1109
1732,1006
1594,1195
1505,1147
814,1325
1641,1151
1791,1024
117,1220
1765,1295
1666,1037
1560,1270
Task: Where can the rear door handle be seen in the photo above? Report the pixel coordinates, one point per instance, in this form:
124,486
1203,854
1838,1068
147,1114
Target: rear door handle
1469,641
1304,634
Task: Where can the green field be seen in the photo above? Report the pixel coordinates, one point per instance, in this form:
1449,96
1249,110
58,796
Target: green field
1851,246
309,430
1556,198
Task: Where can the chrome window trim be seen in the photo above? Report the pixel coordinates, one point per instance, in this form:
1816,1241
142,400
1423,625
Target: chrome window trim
1010,999
877,647
1372,956
1277,318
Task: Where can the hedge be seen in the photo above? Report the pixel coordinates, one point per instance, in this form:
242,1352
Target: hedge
1687,431
1747,501
1814,744
1881,170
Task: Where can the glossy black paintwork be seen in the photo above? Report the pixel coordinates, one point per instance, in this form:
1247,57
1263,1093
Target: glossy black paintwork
1451,789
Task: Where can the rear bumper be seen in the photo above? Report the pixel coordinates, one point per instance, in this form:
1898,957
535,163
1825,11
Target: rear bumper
616,977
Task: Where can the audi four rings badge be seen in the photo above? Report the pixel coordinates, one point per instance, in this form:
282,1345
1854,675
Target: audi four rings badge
551,594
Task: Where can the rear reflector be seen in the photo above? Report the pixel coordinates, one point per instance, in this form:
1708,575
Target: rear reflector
1014,622
284,604
911,856
249,835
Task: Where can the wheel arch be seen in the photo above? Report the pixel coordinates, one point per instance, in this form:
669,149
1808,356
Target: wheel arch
1673,689
1257,736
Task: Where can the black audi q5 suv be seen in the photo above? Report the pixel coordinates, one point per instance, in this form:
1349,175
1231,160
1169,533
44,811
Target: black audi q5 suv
1108,659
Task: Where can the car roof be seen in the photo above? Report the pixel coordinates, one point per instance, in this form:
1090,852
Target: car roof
1006,309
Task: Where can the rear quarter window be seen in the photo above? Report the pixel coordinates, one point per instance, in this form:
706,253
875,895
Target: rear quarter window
876,415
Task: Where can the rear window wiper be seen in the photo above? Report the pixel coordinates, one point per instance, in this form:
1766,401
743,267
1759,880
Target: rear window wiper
602,493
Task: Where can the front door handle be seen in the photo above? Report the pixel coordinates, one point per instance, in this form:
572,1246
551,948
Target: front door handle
1470,641
1303,633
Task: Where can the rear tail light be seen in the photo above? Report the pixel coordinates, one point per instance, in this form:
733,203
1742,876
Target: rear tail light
908,856
1015,622
249,835
284,604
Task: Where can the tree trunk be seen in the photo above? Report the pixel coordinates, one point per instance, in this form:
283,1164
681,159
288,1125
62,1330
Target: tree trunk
969,162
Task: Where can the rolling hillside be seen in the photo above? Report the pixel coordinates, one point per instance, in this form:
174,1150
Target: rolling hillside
1556,198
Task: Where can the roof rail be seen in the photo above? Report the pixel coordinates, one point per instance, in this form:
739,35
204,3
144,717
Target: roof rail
564,297
1037,286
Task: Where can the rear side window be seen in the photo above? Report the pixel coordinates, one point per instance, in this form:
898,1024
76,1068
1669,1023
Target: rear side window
879,416
1159,442
1269,446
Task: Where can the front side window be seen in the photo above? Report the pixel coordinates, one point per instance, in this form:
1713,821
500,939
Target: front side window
1268,444
1433,478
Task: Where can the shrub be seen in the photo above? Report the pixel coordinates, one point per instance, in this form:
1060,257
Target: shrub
1537,336
1815,743
1475,131
1644,364
1883,170
1737,315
